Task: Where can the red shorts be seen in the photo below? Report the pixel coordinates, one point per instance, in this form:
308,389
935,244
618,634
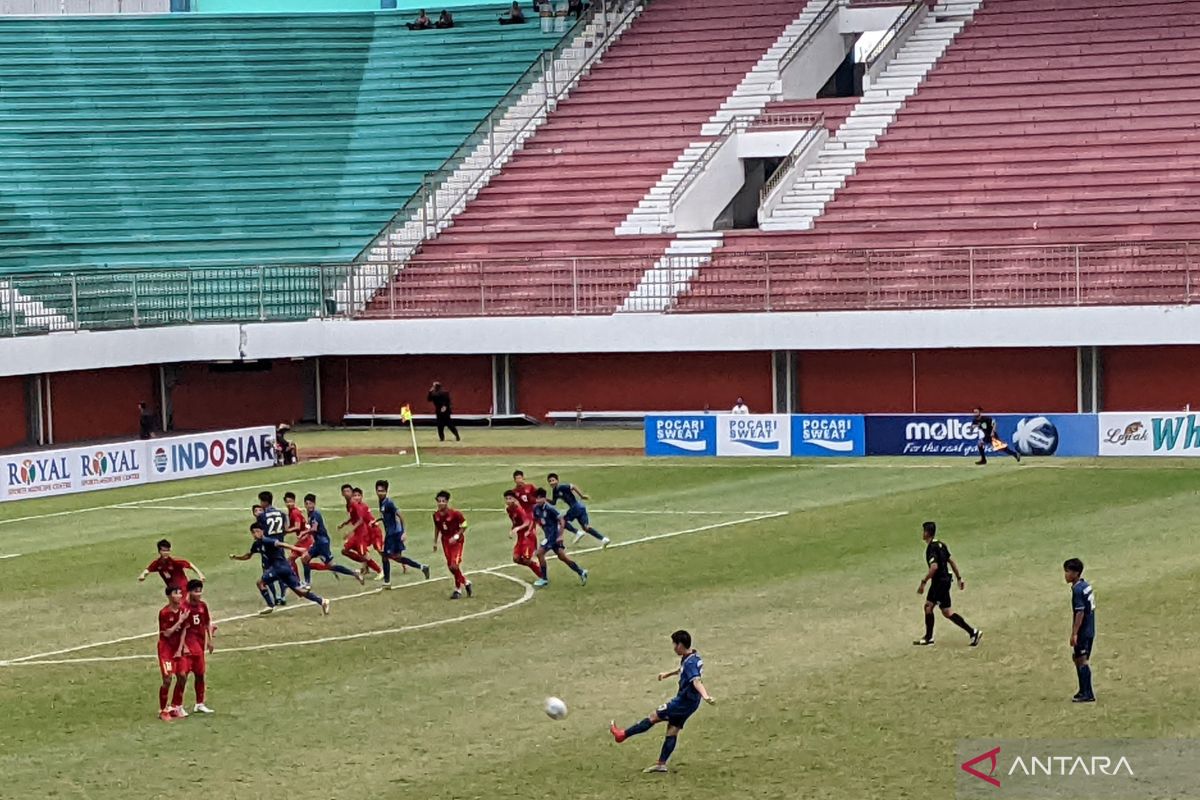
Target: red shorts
377,539
191,665
454,552
525,547
305,541
168,664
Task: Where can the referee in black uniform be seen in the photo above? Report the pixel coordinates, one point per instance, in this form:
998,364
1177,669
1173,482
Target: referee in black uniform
937,556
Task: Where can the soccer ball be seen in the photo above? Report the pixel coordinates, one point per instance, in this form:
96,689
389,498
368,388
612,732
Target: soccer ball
555,708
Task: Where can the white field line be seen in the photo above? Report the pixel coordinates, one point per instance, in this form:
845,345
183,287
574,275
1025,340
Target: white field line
132,504
40,658
525,597
10,555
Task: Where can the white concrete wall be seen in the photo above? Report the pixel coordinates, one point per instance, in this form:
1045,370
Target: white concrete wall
711,191
808,73
626,333
767,144
861,20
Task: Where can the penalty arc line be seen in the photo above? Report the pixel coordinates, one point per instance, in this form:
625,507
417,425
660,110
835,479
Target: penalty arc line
41,658
525,597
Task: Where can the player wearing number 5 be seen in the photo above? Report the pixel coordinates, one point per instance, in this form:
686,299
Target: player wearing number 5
450,528
680,708
1083,627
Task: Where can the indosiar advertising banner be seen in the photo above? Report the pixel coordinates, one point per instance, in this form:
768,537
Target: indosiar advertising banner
1071,435
53,472
1150,433
755,435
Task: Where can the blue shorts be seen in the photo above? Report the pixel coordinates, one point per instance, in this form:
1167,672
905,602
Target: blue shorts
552,543
1083,646
320,549
577,513
393,544
676,712
284,576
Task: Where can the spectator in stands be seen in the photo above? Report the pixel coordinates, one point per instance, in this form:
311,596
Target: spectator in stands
445,20
441,410
421,23
515,15
576,7
145,421
740,407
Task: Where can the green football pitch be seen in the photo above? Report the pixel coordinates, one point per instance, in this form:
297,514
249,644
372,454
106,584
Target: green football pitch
797,580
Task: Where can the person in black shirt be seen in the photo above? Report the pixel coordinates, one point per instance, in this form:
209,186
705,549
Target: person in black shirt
987,435
145,421
937,556
441,410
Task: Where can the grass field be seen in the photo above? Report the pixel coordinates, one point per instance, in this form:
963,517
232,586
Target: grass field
798,580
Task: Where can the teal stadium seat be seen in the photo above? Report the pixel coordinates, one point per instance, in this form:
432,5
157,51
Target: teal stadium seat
176,144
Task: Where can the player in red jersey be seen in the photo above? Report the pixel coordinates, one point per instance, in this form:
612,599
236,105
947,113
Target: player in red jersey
450,527
525,532
171,570
526,492
297,525
171,619
358,543
197,641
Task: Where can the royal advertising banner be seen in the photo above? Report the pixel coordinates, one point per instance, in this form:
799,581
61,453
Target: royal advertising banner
49,473
755,435
1072,435
1150,433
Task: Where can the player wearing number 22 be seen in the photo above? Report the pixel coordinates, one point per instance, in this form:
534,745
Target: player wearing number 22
450,528
1083,627
678,709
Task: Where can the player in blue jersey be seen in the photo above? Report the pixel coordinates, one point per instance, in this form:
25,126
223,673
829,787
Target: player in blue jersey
256,513
394,539
576,510
1083,628
321,548
550,521
274,552
678,709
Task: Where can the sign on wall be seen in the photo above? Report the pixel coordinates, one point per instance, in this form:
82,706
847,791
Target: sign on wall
754,435
1150,433
829,435
956,435
681,435
49,473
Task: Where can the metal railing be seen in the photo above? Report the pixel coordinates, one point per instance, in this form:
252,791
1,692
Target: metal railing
827,12
735,280
58,8
811,133
893,39
739,123
493,141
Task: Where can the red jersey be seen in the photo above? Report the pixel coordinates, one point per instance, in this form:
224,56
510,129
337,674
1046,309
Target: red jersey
526,495
520,519
297,520
449,522
196,629
171,571
167,617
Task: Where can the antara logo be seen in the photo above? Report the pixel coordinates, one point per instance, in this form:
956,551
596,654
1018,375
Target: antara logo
990,756
1030,765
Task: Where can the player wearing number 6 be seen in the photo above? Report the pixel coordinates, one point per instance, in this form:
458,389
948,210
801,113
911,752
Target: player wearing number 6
680,708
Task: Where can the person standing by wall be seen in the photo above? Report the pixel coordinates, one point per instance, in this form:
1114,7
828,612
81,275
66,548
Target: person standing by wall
145,421
442,411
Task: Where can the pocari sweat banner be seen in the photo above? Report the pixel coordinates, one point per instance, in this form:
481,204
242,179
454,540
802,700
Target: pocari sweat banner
754,435
681,435
1071,435
829,435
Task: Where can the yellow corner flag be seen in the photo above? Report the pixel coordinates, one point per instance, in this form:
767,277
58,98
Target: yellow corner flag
406,413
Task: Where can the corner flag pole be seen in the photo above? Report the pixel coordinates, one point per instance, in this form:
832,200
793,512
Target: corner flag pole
406,415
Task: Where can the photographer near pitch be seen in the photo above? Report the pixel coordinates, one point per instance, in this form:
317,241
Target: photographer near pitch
441,409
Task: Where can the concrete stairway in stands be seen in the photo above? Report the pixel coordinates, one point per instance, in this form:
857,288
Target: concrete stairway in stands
561,197
673,272
845,150
760,86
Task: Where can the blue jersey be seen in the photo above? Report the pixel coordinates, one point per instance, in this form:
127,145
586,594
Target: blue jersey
273,522
566,493
317,523
392,524
691,667
1083,600
273,555
548,517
